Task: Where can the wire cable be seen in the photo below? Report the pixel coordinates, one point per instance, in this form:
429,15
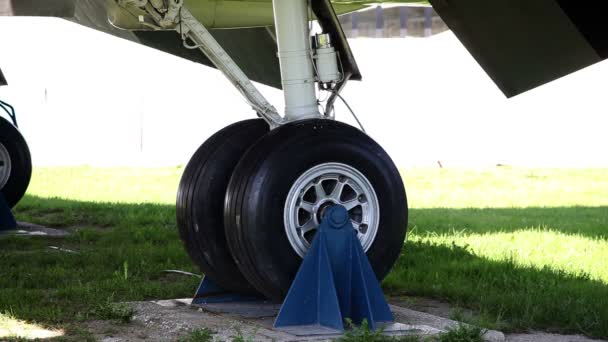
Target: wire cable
351,111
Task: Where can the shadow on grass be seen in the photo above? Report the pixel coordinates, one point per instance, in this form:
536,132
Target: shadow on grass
124,248
505,295
121,253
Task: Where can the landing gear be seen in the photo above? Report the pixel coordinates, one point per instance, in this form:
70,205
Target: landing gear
15,163
251,200
289,178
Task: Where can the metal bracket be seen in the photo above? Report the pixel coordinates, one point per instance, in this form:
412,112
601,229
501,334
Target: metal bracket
10,110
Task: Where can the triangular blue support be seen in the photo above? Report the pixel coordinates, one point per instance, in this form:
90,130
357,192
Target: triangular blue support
335,282
210,293
7,220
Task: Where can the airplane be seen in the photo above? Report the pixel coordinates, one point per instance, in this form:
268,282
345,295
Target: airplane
253,195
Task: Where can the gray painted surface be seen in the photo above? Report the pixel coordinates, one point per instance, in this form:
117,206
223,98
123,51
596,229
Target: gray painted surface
3,81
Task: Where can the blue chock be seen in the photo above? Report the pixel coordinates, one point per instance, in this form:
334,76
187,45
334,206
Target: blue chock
7,220
210,293
335,283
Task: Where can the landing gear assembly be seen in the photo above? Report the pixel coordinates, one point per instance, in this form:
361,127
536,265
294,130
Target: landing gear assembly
253,196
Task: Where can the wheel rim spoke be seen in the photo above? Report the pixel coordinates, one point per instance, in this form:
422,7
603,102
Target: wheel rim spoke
308,226
320,190
337,191
307,206
351,204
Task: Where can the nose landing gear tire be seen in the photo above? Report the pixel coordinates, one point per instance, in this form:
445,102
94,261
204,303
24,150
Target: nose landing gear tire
200,202
282,185
15,163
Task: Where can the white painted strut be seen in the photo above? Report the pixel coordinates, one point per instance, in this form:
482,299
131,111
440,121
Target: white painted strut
204,41
297,70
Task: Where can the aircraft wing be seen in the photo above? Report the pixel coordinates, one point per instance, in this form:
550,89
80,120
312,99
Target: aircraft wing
523,44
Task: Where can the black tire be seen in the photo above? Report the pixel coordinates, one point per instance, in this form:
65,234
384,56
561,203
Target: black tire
21,163
200,202
260,184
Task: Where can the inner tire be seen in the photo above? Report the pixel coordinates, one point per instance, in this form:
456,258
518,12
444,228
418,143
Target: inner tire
15,163
259,189
200,202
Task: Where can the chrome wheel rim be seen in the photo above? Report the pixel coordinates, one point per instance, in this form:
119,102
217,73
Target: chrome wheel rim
5,166
324,186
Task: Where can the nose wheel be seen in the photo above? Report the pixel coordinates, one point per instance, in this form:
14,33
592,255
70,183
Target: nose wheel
15,163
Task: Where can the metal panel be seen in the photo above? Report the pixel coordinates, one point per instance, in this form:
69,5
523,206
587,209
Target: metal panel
521,44
254,50
3,81
46,8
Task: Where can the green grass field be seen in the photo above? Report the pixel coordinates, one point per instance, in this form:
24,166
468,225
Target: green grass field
523,248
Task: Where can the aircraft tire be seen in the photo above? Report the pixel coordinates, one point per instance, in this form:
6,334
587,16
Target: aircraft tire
200,202
258,212
15,163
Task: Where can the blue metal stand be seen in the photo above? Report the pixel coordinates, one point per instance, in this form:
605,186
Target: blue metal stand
7,220
334,283
209,293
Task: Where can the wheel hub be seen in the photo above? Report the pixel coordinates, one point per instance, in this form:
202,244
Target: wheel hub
5,166
321,210
321,188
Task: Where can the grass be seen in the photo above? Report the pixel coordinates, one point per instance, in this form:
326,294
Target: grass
462,333
523,248
198,335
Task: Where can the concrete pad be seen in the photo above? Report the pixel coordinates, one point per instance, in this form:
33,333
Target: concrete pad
443,324
168,320
545,337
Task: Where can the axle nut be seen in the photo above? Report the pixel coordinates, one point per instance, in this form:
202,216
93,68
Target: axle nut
338,216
